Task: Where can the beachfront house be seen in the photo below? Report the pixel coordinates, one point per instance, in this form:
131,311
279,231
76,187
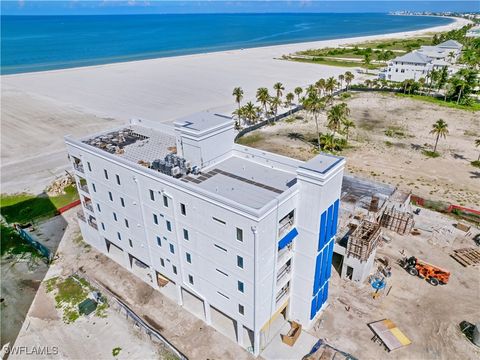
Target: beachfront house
417,64
240,237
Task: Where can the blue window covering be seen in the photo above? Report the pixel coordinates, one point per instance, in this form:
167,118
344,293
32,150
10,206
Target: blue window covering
313,308
319,299
287,239
318,270
329,222
324,266
325,292
329,261
335,217
323,229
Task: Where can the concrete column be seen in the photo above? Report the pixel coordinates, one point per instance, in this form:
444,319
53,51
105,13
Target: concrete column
239,333
256,343
208,315
179,295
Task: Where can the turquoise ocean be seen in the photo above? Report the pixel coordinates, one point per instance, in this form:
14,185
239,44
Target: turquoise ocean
37,43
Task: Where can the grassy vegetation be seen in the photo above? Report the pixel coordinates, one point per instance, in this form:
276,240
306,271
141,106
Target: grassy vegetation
397,44
250,139
23,207
474,107
116,351
430,154
329,62
395,132
476,163
12,243
69,293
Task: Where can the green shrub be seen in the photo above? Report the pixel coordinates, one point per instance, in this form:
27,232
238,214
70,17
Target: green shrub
430,154
476,163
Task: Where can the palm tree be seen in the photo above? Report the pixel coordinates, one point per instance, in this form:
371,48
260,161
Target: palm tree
477,144
440,128
341,77
240,114
263,97
328,142
349,78
311,90
275,102
298,91
314,104
289,100
330,85
320,85
278,87
347,124
336,116
250,112
367,59
238,93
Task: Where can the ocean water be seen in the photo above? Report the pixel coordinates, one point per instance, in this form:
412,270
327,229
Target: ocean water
37,43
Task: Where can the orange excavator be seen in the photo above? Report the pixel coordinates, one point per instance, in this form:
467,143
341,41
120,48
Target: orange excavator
433,274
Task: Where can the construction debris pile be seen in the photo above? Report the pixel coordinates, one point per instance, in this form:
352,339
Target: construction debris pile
59,185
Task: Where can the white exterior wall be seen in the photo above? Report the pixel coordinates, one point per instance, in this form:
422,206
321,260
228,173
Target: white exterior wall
397,71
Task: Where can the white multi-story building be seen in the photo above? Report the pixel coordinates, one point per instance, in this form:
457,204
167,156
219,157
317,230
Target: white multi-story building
419,63
238,236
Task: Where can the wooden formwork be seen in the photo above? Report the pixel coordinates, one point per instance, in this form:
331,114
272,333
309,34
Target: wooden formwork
363,240
398,221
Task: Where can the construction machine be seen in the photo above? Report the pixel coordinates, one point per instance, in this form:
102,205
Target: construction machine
433,274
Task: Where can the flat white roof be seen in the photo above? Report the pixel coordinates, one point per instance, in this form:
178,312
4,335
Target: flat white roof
321,163
203,121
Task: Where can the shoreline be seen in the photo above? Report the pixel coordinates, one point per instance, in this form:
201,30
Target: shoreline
40,108
456,23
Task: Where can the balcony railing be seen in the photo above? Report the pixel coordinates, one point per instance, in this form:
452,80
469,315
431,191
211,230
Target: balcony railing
78,167
81,216
282,293
84,188
88,205
285,227
284,271
93,222
285,253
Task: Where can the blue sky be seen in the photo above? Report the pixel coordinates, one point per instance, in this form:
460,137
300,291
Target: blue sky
99,7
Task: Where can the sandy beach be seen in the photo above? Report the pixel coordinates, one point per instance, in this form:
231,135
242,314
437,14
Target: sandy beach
38,109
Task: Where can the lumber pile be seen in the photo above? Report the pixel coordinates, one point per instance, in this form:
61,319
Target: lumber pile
466,256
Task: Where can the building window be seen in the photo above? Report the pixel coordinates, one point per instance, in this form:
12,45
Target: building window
189,258
89,167
172,248
152,195
159,241
169,226
118,179
220,248
219,221
126,223
103,226
98,208
240,286
122,201
185,234
155,219
105,173
94,188
240,262
190,279
110,196
241,309
165,201
183,210
119,236
222,272
115,216
174,268
130,243
239,234
162,262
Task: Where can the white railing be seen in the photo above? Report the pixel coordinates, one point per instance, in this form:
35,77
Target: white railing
285,227
78,167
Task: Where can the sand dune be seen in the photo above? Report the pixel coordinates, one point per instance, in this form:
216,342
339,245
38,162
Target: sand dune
39,108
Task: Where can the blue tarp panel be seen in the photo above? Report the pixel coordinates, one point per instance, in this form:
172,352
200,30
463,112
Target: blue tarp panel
287,239
329,222
335,217
319,299
322,231
318,271
313,308
329,260
325,292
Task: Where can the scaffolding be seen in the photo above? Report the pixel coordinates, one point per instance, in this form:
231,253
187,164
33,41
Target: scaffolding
396,220
363,240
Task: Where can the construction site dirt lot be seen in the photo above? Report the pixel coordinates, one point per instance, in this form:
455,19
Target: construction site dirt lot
95,338
396,159
428,315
